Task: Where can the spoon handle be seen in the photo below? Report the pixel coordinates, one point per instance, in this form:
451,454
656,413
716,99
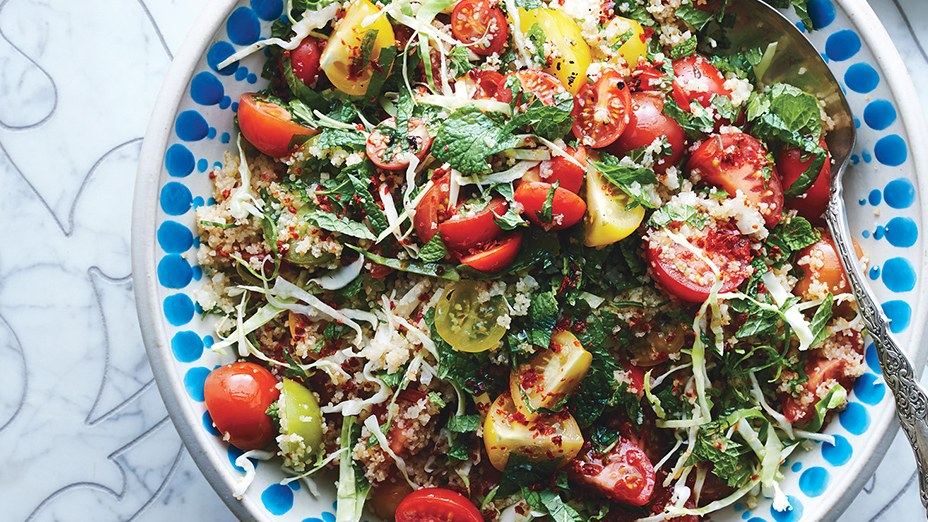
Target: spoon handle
911,401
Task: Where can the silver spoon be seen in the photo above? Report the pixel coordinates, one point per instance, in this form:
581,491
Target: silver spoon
798,62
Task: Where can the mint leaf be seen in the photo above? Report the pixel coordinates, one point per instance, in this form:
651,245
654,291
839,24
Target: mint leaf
375,215
341,139
548,121
793,235
820,320
684,48
551,503
835,398
676,212
632,179
730,461
546,214
436,270
463,423
334,223
468,137
695,18
696,127
543,312
460,63
433,251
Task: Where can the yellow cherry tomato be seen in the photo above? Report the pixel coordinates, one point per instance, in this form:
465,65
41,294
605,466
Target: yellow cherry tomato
352,49
607,220
464,322
550,376
300,423
569,55
545,438
630,32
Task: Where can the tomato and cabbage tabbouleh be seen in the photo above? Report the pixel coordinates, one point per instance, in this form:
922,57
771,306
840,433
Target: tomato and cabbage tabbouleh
508,260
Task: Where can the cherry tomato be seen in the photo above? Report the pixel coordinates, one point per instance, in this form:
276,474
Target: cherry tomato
486,83
496,255
820,370
738,161
601,110
539,83
647,123
480,21
562,170
268,126
434,504
237,397
466,323
433,208
404,434
647,77
567,208
343,58
380,271
696,79
465,230
686,275
664,339
305,60
567,56
624,475
387,495
389,151
820,264
791,165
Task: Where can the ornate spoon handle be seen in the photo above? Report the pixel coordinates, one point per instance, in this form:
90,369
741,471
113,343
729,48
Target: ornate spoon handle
911,401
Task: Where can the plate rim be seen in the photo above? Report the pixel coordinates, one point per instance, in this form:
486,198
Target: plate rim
145,208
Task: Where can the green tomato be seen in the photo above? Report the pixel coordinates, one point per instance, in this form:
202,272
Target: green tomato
299,415
467,324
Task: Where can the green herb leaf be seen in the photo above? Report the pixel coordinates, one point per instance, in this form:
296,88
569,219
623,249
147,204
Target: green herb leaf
468,137
334,223
546,214
548,121
835,398
730,460
820,320
463,423
695,18
433,251
436,270
632,179
680,213
374,213
331,138
543,312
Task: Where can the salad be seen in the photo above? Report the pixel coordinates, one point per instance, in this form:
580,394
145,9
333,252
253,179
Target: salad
516,259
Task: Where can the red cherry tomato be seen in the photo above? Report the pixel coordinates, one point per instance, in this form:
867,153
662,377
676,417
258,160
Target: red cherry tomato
624,475
648,123
820,264
496,255
820,370
268,126
237,397
738,161
567,208
601,110
433,208
305,60
437,504
404,434
486,83
647,78
480,21
463,231
696,79
562,170
687,276
390,153
541,84
791,165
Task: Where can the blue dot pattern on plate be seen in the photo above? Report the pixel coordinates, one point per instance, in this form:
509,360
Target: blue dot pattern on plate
822,13
217,54
174,237
268,10
898,274
862,78
880,114
869,389
899,193
206,89
187,346
855,418
178,309
790,515
873,360
179,161
191,126
174,271
194,380
842,45
891,150
839,453
901,232
208,425
875,197
899,314
176,198
277,499
243,26
814,481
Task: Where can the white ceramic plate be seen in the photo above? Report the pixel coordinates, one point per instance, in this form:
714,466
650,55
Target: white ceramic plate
192,126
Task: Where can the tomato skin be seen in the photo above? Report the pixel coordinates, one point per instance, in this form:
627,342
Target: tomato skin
696,79
791,165
462,233
647,78
559,169
433,208
495,256
486,83
268,126
305,60
724,245
820,263
647,122
437,504
237,397
543,85
736,161
387,495
624,475
819,369
472,19
601,110
378,144
567,208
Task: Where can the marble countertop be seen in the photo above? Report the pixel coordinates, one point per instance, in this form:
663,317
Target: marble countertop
84,431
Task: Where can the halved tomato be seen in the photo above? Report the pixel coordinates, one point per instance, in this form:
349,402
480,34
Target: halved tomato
688,276
268,126
539,83
792,163
822,372
481,25
437,504
624,474
648,123
305,59
738,161
486,83
433,208
496,255
567,208
561,170
601,110
463,231
697,79
389,151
